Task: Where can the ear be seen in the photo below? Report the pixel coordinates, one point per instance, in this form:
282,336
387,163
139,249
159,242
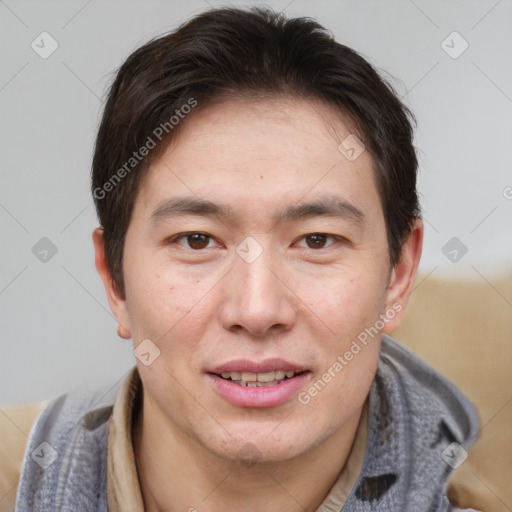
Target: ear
114,296
402,277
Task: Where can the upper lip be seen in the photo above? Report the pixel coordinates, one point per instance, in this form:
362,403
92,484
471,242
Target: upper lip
267,365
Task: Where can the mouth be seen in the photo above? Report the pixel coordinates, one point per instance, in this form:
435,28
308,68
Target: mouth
270,383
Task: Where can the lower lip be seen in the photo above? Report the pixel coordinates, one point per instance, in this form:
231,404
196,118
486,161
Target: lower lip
265,396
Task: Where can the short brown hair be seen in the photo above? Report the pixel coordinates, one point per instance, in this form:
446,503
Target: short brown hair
233,52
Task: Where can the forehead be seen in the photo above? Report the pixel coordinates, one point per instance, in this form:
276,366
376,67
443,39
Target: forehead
260,153
244,125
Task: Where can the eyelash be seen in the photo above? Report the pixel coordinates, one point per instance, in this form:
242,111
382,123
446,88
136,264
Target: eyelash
175,238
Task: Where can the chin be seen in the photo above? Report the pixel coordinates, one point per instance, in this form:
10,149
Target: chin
263,446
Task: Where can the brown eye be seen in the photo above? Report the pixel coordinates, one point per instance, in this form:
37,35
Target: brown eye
316,241
198,240
194,240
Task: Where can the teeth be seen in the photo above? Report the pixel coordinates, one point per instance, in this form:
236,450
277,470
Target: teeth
265,377
258,379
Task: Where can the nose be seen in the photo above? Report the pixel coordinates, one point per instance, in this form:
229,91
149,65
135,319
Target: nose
257,298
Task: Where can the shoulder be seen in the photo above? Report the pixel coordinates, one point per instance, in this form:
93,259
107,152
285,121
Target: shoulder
15,425
73,426
440,422
22,429
430,393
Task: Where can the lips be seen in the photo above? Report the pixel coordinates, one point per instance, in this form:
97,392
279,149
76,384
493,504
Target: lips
267,383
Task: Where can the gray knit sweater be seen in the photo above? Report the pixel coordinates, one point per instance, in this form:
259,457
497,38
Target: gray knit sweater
419,428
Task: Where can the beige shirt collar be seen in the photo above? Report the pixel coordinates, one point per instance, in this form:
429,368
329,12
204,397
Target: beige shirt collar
123,488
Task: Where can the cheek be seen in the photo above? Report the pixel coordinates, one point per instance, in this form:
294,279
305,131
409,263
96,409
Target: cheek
160,298
347,302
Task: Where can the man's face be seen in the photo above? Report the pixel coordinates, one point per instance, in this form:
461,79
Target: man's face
300,289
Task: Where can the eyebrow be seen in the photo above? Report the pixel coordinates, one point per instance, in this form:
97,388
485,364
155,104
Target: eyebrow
327,206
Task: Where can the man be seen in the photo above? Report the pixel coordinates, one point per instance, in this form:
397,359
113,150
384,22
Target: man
255,182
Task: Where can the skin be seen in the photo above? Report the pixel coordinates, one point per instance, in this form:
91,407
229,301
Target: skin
302,299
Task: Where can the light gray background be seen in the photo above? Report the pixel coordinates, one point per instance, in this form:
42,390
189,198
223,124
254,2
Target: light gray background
57,332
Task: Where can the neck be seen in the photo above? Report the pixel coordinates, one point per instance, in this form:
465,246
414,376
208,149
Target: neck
174,469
